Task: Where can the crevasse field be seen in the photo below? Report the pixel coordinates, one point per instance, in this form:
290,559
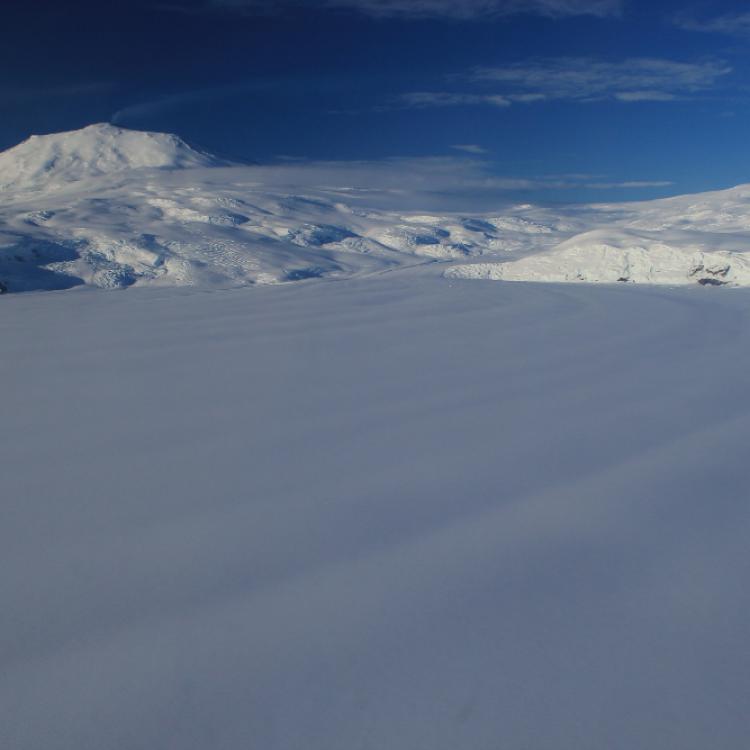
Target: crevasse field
384,511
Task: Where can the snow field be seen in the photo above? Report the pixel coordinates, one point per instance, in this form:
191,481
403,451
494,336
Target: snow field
396,513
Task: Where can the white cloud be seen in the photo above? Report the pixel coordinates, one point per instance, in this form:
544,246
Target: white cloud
447,99
642,79
450,9
479,8
645,96
628,184
635,79
428,174
734,24
469,148
527,98
425,175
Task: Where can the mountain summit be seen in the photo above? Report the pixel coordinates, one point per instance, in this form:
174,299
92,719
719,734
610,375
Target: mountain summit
53,160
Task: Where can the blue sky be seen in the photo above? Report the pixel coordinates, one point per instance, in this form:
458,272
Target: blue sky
556,100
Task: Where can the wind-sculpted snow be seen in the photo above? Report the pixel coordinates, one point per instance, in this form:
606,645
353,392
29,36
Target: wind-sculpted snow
114,208
389,513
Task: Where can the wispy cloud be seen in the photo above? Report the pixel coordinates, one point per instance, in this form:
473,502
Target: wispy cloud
141,110
469,148
579,79
170,102
427,174
448,9
733,24
628,184
645,96
447,99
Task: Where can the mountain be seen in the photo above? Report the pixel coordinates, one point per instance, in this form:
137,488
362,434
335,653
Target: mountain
48,161
109,207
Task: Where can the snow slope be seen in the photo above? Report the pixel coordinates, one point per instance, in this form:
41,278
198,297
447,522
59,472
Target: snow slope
611,255
113,208
391,513
692,239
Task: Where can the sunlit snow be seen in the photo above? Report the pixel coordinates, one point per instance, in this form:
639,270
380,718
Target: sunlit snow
110,207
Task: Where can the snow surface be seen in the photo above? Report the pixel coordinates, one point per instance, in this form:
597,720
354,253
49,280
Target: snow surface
395,512
360,505
113,208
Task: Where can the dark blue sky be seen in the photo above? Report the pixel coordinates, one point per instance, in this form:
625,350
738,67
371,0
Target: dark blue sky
558,99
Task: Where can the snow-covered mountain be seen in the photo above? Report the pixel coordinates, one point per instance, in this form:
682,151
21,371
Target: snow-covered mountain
111,207
50,161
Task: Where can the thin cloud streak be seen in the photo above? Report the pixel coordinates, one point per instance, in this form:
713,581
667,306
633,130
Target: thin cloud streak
645,96
459,10
426,174
628,184
171,102
579,79
469,148
585,78
419,99
731,24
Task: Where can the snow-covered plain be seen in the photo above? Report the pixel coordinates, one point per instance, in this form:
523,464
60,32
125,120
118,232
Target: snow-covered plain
396,512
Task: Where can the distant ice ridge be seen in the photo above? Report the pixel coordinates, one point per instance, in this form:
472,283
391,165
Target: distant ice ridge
112,208
608,256
691,239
